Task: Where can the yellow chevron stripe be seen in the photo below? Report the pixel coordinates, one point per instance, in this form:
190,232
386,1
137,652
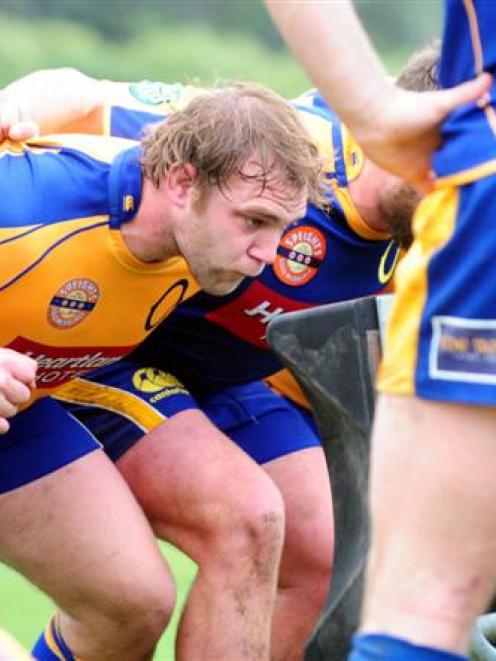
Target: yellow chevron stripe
81,391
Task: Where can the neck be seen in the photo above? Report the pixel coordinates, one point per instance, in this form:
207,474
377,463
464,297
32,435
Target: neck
149,235
365,194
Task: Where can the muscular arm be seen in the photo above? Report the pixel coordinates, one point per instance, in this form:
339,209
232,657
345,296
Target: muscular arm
54,100
397,129
344,66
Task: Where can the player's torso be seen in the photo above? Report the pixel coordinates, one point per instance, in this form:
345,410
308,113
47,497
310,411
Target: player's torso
73,297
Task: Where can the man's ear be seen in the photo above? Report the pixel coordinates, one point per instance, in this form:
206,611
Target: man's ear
178,182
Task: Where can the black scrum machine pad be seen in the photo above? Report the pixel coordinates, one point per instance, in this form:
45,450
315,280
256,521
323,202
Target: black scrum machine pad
333,352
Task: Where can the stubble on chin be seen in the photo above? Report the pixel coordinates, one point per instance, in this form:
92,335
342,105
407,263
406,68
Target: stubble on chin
217,284
221,288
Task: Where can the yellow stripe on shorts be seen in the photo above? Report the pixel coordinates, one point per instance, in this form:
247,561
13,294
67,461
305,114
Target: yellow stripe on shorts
80,391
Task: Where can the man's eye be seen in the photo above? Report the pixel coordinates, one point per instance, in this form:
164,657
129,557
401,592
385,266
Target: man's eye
253,223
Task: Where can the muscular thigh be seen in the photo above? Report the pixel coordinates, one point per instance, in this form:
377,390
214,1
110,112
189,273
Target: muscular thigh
192,480
186,474
186,471
303,480
441,341
283,439
58,529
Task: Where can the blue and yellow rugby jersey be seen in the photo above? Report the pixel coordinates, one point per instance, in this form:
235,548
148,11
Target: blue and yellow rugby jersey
211,342
73,296
469,48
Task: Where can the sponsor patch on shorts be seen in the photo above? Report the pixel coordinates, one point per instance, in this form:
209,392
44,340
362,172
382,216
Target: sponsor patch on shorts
463,349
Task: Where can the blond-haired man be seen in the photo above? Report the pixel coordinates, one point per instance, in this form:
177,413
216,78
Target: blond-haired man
100,239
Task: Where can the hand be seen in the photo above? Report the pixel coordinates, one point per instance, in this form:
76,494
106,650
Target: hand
402,136
13,125
17,380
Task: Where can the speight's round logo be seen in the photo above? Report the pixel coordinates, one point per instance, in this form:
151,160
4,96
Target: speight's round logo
151,379
301,252
72,303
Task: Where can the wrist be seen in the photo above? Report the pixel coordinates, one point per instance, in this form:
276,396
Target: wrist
368,118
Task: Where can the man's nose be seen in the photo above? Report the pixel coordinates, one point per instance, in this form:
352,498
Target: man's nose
265,247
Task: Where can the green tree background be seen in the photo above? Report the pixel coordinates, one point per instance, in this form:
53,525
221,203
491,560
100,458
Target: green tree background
185,40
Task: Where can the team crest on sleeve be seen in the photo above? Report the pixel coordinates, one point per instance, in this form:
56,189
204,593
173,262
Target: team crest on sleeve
72,303
300,253
155,93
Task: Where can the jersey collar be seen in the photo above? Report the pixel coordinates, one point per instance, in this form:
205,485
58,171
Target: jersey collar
125,183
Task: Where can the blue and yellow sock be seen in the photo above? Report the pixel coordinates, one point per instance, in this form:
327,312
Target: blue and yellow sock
50,646
380,647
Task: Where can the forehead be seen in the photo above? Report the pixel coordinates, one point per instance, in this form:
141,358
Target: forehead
251,189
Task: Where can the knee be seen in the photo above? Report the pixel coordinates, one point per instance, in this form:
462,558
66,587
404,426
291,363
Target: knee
259,517
145,611
260,529
251,528
132,616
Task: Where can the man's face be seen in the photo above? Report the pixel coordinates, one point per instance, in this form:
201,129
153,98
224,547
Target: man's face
397,205
232,233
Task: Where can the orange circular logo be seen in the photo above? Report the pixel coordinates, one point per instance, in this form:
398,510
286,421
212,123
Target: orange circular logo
299,255
73,302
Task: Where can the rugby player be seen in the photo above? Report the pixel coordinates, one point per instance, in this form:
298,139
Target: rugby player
100,239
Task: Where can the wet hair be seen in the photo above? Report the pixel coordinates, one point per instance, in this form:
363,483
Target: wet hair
420,73
222,128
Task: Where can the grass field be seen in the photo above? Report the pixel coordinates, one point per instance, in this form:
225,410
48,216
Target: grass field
24,610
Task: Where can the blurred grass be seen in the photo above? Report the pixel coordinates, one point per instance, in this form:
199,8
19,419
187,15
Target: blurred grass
24,610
